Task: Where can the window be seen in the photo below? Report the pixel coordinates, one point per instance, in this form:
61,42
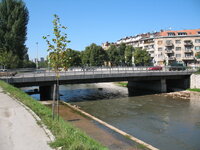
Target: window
178,41
197,40
159,55
198,32
171,34
197,47
178,48
182,33
160,49
178,55
168,42
160,42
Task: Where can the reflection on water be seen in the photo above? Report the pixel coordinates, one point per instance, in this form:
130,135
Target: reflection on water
164,122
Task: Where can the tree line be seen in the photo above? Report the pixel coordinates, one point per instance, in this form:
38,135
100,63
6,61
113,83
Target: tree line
95,55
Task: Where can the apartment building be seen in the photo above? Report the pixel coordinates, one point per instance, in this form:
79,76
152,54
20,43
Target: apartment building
166,47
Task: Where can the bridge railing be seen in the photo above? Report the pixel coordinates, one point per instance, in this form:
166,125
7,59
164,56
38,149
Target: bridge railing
100,71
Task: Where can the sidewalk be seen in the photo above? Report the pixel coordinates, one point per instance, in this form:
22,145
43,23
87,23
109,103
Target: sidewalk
18,128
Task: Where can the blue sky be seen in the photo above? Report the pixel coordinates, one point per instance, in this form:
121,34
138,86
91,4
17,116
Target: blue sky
98,21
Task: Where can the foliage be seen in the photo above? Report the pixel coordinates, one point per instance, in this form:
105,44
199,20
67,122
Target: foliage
8,60
197,55
113,55
121,50
94,55
71,58
13,28
128,55
43,64
29,64
57,45
67,136
141,57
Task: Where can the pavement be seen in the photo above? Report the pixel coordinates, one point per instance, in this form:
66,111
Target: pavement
18,128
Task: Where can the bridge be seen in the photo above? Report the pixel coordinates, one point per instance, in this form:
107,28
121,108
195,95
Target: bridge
138,78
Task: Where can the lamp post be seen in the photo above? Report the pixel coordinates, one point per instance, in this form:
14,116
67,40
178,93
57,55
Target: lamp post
37,56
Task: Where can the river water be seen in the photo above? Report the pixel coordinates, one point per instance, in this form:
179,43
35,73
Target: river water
162,121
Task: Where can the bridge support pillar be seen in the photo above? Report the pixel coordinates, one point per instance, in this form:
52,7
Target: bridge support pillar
147,86
46,92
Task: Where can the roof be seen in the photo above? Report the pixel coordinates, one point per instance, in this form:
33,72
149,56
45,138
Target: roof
189,32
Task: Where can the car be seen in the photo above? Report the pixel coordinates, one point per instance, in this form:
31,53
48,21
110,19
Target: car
176,67
155,68
3,70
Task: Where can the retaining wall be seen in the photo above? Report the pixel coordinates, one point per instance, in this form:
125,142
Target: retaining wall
195,81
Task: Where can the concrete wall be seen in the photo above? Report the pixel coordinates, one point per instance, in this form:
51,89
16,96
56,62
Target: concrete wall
195,81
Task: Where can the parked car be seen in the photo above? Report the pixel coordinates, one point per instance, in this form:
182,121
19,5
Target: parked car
176,67
155,68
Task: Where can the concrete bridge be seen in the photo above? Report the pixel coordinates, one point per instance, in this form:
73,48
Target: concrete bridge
139,78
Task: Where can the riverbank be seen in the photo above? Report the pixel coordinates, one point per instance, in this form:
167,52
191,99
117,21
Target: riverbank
66,136
184,95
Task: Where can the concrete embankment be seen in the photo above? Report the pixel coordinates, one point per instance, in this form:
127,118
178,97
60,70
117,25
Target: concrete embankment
18,127
148,146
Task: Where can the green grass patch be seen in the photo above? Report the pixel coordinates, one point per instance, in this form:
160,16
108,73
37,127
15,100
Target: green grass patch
123,84
195,90
66,136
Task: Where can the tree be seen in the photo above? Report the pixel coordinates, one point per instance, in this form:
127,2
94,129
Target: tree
94,55
57,47
113,55
121,49
71,58
13,28
129,54
8,60
141,57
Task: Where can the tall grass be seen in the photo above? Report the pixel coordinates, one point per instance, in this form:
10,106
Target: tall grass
66,136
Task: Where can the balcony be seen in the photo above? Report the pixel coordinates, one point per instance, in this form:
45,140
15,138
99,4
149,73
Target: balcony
188,51
188,43
169,44
168,51
188,58
171,58
152,55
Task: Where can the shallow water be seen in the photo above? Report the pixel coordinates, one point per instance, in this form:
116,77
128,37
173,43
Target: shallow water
164,122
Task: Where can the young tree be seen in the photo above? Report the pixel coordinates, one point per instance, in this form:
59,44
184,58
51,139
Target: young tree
57,47
141,57
129,54
13,28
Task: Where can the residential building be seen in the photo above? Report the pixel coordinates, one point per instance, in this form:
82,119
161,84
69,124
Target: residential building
166,47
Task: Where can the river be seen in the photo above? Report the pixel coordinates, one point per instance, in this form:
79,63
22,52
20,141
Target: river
163,121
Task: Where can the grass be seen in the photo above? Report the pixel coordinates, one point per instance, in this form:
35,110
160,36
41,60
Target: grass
66,136
123,84
195,90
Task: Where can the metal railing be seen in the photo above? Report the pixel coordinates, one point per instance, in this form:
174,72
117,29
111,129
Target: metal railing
83,71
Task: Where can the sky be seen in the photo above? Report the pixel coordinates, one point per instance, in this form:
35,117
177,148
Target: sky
98,21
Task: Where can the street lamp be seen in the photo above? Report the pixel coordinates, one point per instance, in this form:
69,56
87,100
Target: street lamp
37,56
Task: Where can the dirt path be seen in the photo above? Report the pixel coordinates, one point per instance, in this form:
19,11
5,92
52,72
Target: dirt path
18,128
